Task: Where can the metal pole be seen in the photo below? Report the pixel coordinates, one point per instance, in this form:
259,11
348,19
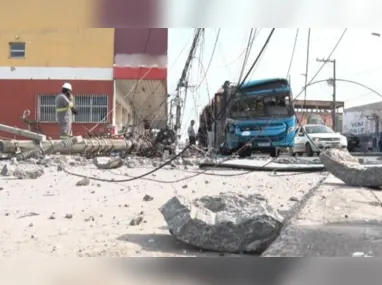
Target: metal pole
307,66
178,111
334,109
334,96
215,118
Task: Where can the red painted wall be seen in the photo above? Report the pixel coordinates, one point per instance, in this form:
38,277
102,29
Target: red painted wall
153,41
19,95
128,13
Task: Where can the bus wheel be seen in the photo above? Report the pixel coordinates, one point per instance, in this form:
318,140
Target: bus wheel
274,152
246,152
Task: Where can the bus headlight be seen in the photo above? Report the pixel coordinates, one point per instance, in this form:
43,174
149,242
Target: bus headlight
291,129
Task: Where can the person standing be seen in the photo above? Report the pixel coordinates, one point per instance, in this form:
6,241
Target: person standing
65,110
370,145
191,133
380,144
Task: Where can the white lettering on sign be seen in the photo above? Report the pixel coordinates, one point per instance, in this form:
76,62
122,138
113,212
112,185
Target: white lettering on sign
357,123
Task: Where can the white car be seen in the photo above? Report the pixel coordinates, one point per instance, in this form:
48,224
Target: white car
312,139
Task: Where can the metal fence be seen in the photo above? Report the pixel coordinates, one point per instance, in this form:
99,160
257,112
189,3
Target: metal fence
91,108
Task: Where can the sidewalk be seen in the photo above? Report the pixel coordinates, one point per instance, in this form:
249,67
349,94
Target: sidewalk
337,221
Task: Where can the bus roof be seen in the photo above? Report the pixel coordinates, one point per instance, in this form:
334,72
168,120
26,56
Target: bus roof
253,83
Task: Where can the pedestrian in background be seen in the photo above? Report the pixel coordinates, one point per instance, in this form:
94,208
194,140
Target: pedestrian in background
370,145
191,133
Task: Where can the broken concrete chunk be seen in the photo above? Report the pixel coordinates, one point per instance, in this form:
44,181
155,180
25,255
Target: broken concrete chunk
68,216
347,168
30,173
108,162
229,222
136,221
148,198
83,182
5,171
130,164
293,199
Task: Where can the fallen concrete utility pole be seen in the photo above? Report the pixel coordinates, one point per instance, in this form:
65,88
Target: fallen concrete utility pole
341,164
83,146
23,133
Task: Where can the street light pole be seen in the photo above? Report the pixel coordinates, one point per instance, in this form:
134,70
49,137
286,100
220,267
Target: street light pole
333,82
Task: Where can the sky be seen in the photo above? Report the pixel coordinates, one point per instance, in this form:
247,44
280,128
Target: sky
358,57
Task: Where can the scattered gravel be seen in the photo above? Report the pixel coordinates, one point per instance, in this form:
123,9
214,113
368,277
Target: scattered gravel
117,219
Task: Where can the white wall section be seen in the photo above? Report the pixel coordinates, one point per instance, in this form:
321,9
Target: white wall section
56,73
137,60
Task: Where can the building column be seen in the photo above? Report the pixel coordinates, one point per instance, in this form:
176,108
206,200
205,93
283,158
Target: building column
114,104
118,111
125,116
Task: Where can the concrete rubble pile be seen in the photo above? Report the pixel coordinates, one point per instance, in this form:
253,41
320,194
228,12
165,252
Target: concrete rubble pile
347,168
229,222
34,168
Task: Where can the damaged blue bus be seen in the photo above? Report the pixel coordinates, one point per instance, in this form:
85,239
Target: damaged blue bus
258,117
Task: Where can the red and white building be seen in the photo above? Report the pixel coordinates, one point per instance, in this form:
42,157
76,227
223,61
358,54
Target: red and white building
119,77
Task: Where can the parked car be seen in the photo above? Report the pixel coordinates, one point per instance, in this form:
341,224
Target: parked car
314,138
353,141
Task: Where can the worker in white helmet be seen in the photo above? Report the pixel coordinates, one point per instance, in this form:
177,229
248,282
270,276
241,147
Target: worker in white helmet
65,110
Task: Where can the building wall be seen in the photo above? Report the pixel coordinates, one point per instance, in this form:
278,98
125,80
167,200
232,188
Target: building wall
44,13
326,117
140,54
59,47
145,47
19,95
81,56
358,120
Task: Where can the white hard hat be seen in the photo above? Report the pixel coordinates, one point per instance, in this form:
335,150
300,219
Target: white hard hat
67,86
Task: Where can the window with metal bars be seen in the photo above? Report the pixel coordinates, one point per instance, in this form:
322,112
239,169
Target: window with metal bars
91,108
17,50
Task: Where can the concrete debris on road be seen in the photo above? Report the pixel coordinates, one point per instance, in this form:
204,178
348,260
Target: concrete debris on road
4,170
83,182
108,162
22,172
347,168
136,221
295,160
147,198
228,222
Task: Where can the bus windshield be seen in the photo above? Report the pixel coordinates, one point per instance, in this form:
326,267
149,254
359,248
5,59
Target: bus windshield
244,107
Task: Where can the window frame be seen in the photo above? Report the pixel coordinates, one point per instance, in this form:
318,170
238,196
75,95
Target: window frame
92,107
11,50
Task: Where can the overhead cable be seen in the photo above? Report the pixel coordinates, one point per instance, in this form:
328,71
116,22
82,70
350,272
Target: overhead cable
293,51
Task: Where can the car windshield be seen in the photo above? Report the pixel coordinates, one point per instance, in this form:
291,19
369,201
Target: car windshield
261,106
318,130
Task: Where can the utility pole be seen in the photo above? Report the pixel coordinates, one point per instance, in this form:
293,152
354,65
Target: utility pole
332,82
305,83
183,83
